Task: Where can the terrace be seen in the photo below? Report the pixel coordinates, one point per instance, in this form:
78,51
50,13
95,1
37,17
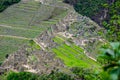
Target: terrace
25,21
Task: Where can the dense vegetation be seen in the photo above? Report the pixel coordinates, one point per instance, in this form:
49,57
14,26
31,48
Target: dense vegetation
87,7
112,22
31,76
105,12
5,3
111,57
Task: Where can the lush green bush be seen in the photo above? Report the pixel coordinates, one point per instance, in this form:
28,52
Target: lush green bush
31,76
111,56
5,3
86,74
56,76
21,76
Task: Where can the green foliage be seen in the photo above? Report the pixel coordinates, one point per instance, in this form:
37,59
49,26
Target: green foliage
112,58
33,45
31,76
92,8
104,76
87,7
56,76
5,3
1,63
85,74
21,76
113,22
70,1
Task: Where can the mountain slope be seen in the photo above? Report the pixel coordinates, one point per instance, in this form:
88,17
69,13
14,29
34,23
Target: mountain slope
63,40
25,21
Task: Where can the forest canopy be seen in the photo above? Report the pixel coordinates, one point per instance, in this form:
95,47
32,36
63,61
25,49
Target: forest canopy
5,3
105,12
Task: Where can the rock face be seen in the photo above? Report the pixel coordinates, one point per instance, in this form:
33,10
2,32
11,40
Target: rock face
44,61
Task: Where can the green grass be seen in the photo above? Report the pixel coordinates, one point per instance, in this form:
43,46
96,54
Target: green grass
31,15
57,39
9,45
73,55
19,32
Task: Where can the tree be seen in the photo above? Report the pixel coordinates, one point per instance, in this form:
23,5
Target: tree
112,23
5,3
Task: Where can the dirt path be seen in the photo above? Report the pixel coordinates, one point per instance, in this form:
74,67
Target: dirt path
15,37
39,44
7,26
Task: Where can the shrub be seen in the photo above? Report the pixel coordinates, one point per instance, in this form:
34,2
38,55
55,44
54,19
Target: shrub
113,22
112,57
54,75
85,74
21,76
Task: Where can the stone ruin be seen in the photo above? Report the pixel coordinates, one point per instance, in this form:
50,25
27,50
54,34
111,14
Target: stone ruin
45,61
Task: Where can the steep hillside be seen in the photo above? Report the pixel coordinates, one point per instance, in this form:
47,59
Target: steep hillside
104,12
23,22
50,36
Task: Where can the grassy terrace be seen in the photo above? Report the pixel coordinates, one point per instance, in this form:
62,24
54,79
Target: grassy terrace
28,33
24,21
72,55
31,16
9,45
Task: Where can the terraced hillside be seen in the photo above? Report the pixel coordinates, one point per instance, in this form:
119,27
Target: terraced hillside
71,54
59,32
25,21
